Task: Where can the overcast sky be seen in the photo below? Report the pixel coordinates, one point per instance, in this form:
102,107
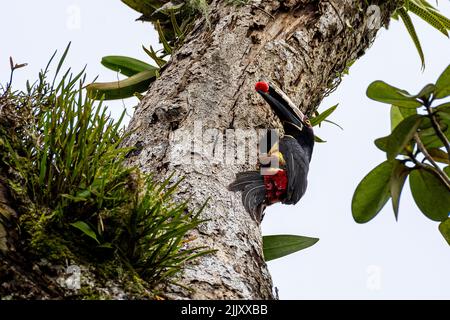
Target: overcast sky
383,259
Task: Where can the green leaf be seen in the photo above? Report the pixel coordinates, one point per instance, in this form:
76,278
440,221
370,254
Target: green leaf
176,28
333,123
63,58
140,6
430,194
323,116
162,38
439,155
398,178
372,192
383,92
278,246
402,135
442,19
443,84
426,92
84,194
318,139
126,65
429,137
427,15
412,33
398,114
447,171
152,54
86,229
443,111
444,228
381,143
122,89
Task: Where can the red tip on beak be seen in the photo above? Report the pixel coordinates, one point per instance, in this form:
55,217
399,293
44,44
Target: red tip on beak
262,86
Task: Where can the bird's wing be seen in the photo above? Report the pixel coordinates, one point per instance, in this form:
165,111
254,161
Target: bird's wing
297,167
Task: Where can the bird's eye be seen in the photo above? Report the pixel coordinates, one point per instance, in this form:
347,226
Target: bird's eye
308,122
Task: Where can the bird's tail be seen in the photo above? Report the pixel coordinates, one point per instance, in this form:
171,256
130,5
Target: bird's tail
251,184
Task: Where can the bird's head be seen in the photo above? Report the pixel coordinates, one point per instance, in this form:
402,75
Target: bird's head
283,107
295,122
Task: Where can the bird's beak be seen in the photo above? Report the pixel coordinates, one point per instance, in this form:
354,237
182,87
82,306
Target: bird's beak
283,107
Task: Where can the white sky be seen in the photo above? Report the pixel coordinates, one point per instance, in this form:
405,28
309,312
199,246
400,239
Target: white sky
379,260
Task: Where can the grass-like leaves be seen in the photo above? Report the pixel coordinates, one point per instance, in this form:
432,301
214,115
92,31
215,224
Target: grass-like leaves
62,158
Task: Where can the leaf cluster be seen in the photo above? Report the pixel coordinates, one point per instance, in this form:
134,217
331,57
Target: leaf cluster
418,147
61,157
172,20
425,11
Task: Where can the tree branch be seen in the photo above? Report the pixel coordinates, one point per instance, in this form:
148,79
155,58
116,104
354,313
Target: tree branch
435,166
438,129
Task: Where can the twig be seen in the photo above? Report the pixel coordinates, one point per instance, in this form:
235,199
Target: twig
435,166
11,74
438,129
263,10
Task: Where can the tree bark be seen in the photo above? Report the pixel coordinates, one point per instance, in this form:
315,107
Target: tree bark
302,46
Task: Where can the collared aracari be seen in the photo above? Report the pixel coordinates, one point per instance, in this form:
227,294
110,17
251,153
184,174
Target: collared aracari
287,183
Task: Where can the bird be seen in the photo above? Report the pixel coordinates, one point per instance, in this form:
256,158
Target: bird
286,182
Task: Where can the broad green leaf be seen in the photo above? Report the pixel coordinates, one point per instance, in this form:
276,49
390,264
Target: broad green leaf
122,89
372,193
426,92
425,124
429,137
443,84
398,114
381,143
324,115
402,135
126,65
444,228
278,246
398,178
439,155
383,92
447,171
144,7
430,194
86,229
443,111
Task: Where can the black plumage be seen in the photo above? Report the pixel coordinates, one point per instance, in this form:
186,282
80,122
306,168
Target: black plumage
294,150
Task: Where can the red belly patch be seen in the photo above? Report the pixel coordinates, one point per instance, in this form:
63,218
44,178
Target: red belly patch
276,186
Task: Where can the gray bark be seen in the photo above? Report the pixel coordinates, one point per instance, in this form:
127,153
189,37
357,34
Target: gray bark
301,46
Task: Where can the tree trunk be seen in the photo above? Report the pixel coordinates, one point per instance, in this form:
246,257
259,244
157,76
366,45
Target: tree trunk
302,46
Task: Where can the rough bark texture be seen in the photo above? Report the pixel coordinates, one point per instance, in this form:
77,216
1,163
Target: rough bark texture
299,45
